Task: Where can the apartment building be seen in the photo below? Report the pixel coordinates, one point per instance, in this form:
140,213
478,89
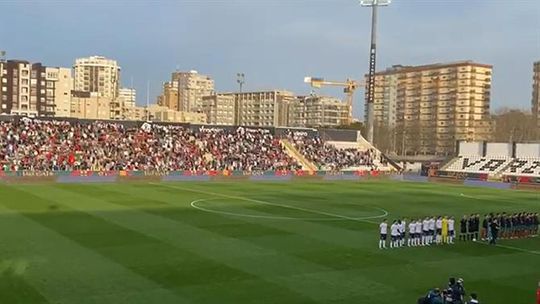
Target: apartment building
33,89
86,105
536,93
127,97
263,108
58,92
164,114
98,75
317,111
431,107
192,87
169,98
219,109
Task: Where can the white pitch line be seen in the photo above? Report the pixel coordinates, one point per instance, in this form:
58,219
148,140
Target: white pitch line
361,219
194,205
513,248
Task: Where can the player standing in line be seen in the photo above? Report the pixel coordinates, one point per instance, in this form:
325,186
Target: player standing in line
431,229
477,226
400,225
504,228
412,231
384,232
394,233
485,227
470,227
438,226
536,222
403,232
451,231
425,231
444,230
418,233
463,228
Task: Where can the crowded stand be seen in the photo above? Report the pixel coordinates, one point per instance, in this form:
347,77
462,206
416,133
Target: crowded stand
327,156
104,146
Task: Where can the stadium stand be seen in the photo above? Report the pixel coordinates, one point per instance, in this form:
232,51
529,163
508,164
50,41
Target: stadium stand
54,145
104,146
497,159
339,155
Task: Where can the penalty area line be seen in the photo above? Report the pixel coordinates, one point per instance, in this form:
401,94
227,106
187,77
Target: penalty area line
356,219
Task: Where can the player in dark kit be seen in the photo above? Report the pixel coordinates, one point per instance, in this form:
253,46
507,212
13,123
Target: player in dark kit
485,227
536,223
494,232
463,228
476,226
473,226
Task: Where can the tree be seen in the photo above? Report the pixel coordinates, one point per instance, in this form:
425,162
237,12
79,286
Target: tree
514,125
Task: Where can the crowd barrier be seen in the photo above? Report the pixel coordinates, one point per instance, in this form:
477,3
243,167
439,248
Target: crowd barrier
476,180
200,176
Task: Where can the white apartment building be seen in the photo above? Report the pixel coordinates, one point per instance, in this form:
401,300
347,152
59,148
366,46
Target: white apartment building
192,87
318,111
219,109
97,74
58,92
127,96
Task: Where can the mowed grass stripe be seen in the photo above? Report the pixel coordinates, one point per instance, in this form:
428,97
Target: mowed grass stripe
140,192
144,255
461,253
318,230
195,270
382,276
355,258
61,270
234,252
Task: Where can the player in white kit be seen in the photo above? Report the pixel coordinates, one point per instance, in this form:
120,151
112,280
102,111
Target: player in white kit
412,231
418,234
431,229
438,225
384,232
402,232
425,231
394,232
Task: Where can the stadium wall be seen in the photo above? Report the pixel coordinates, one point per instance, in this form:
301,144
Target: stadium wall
499,150
528,150
471,149
468,179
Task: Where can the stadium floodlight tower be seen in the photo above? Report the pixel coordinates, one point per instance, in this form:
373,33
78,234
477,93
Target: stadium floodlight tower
374,4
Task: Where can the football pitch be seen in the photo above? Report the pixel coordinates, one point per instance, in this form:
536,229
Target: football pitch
249,242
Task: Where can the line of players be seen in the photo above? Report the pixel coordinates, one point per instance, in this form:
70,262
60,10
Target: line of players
505,226
421,232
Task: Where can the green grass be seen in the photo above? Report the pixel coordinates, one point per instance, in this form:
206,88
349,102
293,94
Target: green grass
296,243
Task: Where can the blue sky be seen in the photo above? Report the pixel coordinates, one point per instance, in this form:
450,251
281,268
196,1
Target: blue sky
277,42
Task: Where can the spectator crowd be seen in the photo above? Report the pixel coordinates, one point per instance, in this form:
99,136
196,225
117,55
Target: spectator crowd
329,157
36,145
103,146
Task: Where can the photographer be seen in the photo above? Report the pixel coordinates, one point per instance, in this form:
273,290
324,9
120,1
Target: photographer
474,299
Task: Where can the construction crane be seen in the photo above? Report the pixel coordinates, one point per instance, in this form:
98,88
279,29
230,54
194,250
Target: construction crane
349,86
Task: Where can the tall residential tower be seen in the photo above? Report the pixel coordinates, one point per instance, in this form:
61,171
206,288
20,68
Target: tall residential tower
97,74
431,107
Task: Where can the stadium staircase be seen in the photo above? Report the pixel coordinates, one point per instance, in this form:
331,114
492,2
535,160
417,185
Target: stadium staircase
294,153
363,145
447,164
